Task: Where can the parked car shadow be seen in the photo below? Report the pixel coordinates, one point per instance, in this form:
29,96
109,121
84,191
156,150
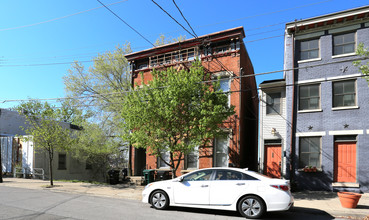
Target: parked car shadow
294,213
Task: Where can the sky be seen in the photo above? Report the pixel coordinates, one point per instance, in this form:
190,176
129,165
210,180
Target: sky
40,39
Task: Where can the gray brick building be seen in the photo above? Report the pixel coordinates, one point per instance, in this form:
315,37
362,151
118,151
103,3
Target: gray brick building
327,102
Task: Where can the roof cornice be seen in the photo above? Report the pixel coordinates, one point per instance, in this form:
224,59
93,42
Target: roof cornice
329,17
217,36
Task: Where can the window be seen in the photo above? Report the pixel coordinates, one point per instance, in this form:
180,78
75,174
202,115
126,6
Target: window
273,105
221,49
232,175
225,86
207,51
62,162
310,150
309,49
142,66
168,59
344,93
345,138
221,152
165,157
344,43
201,175
191,159
309,97
235,45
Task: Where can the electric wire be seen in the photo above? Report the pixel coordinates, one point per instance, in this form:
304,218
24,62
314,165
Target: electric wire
173,18
55,19
246,30
264,14
89,61
126,23
207,81
184,18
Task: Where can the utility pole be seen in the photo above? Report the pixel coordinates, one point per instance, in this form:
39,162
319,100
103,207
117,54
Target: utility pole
1,162
1,166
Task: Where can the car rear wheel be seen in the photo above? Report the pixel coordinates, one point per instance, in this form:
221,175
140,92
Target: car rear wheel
251,207
159,200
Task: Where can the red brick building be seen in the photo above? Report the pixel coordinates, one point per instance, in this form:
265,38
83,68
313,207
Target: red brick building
222,54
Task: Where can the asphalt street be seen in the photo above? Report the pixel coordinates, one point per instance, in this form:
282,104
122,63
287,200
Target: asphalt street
19,203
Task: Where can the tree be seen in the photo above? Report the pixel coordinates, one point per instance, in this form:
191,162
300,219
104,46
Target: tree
44,127
96,147
100,90
364,68
162,40
175,113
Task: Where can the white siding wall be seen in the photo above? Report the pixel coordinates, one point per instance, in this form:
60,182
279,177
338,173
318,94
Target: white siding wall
270,121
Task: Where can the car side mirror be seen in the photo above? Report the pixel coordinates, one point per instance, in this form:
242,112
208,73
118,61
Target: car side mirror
180,179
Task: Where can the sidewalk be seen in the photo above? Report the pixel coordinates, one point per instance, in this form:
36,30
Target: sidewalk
123,191
312,202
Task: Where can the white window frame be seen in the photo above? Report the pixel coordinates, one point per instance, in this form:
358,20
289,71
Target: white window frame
161,163
194,153
309,50
271,106
216,152
320,150
334,94
320,97
348,53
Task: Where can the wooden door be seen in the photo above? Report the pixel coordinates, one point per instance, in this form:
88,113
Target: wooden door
345,162
273,159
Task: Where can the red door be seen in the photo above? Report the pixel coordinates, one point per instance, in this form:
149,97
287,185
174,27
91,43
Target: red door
273,159
345,162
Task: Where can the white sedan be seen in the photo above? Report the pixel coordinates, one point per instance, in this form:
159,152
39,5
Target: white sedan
248,192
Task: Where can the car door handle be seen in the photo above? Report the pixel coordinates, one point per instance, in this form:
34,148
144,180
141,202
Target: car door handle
240,184
204,185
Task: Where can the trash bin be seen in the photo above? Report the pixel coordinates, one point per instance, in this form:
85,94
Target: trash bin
149,176
113,176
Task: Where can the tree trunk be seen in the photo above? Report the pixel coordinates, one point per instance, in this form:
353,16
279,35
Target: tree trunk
51,168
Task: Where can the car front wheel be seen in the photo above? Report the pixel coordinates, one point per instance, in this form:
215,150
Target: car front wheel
251,207
159,199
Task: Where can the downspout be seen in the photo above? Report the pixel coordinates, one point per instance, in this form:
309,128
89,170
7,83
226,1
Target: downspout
239,115
130,171
292,148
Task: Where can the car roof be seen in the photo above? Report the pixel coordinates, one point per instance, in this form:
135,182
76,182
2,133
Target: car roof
244,170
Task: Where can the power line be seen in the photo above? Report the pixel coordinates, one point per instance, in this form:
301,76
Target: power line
264,14
207,81
184,18
246,30
173,18
89,61
55,19
126,23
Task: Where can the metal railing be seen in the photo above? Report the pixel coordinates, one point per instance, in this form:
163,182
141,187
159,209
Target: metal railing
24,171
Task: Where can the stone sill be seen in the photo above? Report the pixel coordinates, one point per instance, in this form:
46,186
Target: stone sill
349,185
345,108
